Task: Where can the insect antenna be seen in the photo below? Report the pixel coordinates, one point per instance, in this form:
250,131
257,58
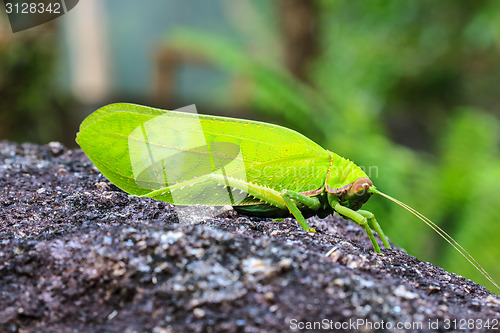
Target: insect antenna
441,233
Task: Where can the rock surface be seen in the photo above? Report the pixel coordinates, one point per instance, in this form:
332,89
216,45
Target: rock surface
77,254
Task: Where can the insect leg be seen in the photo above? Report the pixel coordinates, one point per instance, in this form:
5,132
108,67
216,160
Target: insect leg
358,218
311,202
371,218
292,207
266,194
282,200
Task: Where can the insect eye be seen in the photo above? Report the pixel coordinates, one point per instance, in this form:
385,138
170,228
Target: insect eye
360,186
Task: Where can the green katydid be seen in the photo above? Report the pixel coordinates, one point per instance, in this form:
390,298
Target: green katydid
258,168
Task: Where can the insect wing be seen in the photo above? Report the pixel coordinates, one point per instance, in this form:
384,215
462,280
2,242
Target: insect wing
171,151
141,149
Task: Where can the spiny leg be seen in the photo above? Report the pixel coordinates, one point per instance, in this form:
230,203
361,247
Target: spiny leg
371,218
358,218
290,197
263,193
284,200
311,202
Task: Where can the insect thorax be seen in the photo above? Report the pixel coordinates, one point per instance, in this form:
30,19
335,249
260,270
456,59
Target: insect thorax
348,182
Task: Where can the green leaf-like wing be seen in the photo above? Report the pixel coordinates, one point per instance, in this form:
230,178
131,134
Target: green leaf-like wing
141,149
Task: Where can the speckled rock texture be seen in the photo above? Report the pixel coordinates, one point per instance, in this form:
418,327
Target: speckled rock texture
79,255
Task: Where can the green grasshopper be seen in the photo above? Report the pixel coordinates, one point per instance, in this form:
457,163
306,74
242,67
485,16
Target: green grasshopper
260,169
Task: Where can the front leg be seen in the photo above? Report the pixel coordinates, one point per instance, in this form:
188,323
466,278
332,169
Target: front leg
356,217
376,226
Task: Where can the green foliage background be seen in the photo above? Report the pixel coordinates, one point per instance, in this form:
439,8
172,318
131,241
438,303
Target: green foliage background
387,68
27,92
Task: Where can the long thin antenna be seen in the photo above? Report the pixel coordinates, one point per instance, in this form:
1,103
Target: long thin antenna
441,233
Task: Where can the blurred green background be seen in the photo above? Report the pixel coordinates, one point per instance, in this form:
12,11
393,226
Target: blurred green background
409,90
